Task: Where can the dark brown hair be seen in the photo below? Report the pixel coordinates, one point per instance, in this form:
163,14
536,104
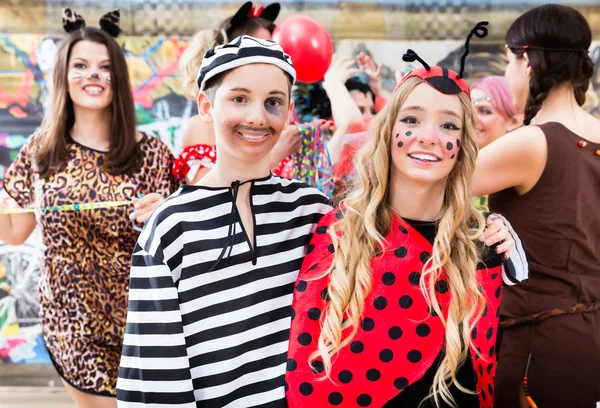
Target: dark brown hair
124,156
557,40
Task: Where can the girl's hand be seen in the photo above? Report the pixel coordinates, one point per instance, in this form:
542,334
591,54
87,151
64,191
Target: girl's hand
145,206
497,232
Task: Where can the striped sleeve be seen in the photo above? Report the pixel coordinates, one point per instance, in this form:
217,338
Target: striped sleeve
155,369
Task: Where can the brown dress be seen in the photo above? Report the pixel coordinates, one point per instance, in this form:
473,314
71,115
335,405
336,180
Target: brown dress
85,275
559,224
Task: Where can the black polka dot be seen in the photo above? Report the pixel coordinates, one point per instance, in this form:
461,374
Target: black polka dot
441,286
409,133
286,386
449,146
423,330
483,394
424,256
377,251
380,303
400,144
414,356
458,143
322,229
489,368
364,400
345,376
474,333
397,135
339,215
400,252
310,248
498,292
395,332
403,230
405,302
368,324
388,278
373,374
485,311
304,339
480,370
293,314
488,333
491,390
386,355
301,286
312,268
492,351
453,156
306,389
314,313
335,398
357,347
317,366
400,383
498,312
414,278
493,275
325,295
291,365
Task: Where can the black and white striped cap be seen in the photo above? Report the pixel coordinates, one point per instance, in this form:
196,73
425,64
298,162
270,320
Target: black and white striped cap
243,50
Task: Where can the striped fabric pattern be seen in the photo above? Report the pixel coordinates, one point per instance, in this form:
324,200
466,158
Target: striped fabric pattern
202,333
243,50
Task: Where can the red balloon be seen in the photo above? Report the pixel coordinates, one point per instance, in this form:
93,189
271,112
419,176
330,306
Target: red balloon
309,45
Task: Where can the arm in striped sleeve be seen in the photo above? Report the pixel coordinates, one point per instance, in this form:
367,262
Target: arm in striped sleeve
154,368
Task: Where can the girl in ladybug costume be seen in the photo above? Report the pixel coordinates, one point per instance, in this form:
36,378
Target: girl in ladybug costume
396,303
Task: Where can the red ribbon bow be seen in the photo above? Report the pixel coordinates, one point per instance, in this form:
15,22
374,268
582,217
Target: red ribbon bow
255,12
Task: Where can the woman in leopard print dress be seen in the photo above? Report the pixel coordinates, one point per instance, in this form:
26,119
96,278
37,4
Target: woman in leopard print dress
87,151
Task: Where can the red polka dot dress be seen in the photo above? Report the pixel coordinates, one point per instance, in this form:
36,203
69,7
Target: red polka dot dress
399,340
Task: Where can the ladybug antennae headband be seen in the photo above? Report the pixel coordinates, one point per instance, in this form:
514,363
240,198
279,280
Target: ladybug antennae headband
443,79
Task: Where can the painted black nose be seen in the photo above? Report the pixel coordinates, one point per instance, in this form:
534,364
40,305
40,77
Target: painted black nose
95,76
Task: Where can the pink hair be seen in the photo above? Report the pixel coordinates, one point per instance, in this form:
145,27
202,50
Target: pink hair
497,88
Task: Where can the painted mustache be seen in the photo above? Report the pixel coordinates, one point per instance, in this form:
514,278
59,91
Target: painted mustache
241,129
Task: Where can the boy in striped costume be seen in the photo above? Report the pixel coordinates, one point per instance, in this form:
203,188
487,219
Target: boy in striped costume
213,272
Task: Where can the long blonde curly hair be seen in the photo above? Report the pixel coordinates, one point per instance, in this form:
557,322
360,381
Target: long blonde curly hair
367,220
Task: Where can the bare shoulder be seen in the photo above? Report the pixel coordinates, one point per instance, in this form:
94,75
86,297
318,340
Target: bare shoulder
198,132
526,141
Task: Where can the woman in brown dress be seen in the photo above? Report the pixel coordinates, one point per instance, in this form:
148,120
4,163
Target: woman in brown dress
545,178
87,151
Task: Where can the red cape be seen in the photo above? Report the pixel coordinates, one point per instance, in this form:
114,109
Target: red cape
398,340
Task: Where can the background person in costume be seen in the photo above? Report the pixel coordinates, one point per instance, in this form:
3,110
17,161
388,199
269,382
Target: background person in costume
213,274
199,153
87,151
545,177
396,303
496,116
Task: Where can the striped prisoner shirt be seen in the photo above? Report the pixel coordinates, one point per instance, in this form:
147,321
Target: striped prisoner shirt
209,317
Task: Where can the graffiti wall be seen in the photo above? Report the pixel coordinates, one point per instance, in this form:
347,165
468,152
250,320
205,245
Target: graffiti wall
26,61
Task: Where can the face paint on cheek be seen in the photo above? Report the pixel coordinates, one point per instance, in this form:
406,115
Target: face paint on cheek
106,78
76,76
408,134
400,144
450,147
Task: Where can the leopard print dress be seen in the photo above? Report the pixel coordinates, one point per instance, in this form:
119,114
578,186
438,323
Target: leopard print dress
85,275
